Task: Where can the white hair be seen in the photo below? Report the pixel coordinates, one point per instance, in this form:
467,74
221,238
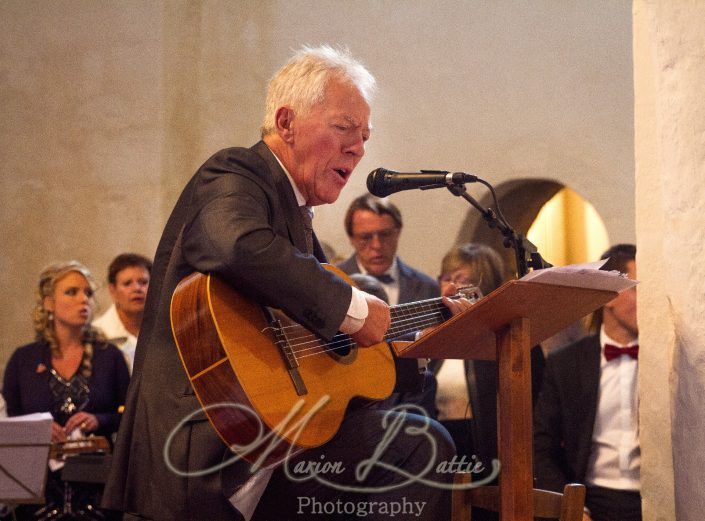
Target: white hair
301,83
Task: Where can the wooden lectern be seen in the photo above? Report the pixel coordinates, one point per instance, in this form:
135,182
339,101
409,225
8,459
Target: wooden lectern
504,326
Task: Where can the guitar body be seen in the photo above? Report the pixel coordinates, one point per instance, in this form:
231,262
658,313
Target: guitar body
234,355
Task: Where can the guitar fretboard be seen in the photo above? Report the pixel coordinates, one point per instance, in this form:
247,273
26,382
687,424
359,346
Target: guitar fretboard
297,342
414,316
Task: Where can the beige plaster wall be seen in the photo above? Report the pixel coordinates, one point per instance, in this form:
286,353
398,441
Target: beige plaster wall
82,137
669,73
110,106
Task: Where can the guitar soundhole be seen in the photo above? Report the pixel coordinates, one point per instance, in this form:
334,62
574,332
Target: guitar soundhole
342,349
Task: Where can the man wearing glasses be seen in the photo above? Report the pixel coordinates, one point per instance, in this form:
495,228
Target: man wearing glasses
373,226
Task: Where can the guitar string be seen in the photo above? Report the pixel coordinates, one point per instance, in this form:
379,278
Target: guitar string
403,326
393,332
414,314
341,341
399,327
349,344
400,315
409,308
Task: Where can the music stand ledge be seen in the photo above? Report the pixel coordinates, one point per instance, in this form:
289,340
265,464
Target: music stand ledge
24,451
504,326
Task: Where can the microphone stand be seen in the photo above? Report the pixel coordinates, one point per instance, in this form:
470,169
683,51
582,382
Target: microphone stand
525,252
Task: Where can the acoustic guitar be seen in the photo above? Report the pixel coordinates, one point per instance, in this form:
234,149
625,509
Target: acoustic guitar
267,384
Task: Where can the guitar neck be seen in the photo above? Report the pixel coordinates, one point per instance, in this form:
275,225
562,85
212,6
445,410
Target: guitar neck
414,316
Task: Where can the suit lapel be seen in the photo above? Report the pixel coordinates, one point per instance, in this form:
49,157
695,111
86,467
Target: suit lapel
407,283
590,387
350,266
318,250
287,198
591,379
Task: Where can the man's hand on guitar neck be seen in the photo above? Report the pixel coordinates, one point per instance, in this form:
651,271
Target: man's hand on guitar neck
457,304
376,324
378,318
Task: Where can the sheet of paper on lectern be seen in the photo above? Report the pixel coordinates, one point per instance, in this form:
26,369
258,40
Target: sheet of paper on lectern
588,275
24,449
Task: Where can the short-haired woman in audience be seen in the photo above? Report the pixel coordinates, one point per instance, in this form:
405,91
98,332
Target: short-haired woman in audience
468,389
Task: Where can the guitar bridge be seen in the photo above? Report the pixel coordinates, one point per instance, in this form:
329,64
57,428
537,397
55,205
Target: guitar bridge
288,356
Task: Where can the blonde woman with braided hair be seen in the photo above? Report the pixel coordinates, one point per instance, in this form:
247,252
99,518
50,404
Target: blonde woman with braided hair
69,370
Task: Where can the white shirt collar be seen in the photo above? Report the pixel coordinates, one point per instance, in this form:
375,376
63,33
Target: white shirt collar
299,197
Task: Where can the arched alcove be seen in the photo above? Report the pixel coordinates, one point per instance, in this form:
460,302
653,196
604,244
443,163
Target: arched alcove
568,230
563,225
520,201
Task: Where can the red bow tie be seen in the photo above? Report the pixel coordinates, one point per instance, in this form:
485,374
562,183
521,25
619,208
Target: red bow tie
612,352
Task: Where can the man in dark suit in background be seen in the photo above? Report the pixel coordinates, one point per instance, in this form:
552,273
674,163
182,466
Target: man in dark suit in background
586,418
246,217
373,226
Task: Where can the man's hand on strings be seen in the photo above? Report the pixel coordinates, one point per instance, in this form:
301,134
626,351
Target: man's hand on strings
455,305
376,324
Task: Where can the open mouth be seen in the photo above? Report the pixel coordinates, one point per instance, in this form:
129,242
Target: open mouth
342,172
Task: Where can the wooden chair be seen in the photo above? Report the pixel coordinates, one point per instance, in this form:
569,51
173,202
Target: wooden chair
567,506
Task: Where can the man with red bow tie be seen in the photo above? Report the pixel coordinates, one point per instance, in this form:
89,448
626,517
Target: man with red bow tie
586,420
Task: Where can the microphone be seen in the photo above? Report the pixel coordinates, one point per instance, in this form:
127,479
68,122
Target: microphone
382,182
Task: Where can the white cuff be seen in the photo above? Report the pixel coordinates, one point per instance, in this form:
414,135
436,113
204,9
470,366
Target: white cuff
357,313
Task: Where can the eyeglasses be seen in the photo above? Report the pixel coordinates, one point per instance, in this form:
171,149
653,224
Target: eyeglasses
459,280
382,235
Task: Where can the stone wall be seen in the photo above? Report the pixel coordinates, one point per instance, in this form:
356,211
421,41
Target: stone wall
669,74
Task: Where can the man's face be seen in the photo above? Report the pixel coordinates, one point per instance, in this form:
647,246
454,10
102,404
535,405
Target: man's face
130,289
375,239
623,308
328,143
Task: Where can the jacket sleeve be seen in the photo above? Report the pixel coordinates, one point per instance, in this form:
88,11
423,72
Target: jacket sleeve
549,458
108,422
11,387
237,230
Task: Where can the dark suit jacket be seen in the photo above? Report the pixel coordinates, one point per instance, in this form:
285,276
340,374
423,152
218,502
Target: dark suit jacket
565,414
238,218
413,285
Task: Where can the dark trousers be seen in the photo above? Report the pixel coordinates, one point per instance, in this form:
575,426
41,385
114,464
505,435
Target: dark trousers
393,488
606,504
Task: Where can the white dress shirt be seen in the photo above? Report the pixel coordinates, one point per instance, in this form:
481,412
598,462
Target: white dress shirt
452,395
114,330
615,458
